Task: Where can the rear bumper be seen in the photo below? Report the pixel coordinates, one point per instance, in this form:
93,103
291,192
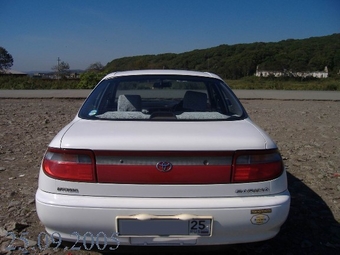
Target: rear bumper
235,220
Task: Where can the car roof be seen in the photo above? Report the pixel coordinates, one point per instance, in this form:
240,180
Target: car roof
161,72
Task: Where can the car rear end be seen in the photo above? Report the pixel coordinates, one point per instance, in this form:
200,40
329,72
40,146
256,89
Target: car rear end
163,174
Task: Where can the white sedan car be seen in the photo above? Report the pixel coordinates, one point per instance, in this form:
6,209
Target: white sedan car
162,157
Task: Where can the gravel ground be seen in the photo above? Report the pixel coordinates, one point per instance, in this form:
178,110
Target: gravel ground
307,133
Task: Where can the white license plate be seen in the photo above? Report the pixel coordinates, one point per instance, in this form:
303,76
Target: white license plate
163,226
200,227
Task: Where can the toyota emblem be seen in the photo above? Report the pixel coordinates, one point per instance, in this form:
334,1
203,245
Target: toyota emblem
164,166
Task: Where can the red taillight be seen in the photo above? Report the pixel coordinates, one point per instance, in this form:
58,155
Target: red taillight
188,168
255,166
70,165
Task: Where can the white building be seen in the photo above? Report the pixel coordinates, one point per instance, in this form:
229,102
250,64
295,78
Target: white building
317,74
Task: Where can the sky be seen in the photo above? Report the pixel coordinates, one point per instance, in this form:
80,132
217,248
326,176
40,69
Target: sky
81,32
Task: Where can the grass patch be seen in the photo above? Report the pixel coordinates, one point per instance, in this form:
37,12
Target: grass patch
285,83
250,82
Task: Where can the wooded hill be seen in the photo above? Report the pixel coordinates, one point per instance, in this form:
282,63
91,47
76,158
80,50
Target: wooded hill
240,60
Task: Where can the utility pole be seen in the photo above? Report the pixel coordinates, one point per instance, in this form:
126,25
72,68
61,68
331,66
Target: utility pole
58,75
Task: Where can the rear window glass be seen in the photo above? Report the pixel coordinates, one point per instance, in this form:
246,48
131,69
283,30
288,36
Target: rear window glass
162,97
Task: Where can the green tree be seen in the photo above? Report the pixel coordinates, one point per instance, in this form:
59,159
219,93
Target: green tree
89,80
6,59
95,67
240,60
62,69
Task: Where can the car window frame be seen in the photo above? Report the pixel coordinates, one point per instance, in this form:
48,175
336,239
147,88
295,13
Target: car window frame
221,87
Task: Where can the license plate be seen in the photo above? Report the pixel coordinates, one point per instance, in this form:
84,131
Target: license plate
200,227
163,226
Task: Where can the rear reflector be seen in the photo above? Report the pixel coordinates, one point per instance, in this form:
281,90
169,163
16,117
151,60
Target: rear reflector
255,166
69,165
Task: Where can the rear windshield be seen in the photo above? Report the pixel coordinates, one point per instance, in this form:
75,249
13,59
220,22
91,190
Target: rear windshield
162,97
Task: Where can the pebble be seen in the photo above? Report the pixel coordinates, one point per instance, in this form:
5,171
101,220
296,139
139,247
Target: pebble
31,201
31,243
13,225
320,176
3,232
12,209
13,203
9,159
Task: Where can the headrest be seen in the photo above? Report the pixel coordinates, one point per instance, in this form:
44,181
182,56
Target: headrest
195,101
129,103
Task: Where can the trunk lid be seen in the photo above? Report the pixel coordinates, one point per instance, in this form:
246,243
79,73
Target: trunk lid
163,136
